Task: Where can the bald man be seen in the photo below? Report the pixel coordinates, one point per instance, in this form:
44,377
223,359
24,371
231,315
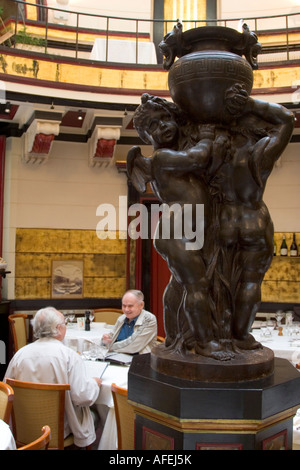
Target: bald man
135,331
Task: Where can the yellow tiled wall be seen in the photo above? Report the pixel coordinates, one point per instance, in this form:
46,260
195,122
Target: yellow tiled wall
104,262
282,280
105,265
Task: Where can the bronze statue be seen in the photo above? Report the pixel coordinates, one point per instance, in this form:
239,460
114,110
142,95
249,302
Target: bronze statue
214,146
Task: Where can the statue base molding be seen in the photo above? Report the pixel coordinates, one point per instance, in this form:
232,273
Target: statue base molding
246,365
181,414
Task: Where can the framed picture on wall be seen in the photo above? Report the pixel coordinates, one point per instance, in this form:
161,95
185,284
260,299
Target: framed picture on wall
67,279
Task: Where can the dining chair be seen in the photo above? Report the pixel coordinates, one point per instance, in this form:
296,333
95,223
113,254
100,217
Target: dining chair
107,315
124,418
6,401
160,339
34,405
18,329
42,443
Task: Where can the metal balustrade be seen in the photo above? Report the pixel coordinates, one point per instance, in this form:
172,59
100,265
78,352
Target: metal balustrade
68,33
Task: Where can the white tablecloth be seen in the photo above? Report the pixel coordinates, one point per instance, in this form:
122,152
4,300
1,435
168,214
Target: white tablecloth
284,347
124,51
7,441
281,345
104,402
81,340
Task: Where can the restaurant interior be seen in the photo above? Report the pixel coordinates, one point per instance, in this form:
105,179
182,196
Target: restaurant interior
72,74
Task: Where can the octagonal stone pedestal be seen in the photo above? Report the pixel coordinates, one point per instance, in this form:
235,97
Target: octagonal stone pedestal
179,414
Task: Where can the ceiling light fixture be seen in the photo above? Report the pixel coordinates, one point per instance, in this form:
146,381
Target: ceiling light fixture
80,116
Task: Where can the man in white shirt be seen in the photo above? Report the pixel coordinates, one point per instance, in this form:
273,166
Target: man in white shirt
48,360
135,332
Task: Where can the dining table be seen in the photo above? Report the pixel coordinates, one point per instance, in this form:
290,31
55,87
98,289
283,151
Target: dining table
7,441
124,51
88,345
104,404
80,340
286,344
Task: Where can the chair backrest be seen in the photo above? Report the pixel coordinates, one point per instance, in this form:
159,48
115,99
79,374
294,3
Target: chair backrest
160,339
36,404
107,315
6,401
42,443
18,329
124,418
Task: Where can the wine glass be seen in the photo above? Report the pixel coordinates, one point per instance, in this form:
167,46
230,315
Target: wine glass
289,318
279,316
263,329
93,353
270,326
92,316
71,316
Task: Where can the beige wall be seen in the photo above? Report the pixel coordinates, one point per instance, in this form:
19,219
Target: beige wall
63,193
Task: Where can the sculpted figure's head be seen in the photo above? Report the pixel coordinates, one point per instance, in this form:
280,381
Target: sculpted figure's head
157,121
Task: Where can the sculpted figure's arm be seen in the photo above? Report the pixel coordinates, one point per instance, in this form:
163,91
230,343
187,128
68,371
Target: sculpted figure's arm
281,119
274,120
278,120
269,148
188,160
140,169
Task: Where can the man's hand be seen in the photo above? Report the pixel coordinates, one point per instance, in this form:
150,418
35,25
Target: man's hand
106,339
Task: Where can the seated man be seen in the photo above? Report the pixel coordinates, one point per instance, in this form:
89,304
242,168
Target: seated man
135,331
48,360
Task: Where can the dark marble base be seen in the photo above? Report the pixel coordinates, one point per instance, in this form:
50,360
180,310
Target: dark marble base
247,365
181,414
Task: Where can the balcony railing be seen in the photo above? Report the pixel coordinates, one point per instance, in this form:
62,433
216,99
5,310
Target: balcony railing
63,32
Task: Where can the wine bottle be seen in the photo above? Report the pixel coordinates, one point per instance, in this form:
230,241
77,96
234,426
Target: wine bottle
275,249
87,321
283,247
294,249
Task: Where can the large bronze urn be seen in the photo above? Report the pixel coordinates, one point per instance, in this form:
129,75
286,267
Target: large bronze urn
210,62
